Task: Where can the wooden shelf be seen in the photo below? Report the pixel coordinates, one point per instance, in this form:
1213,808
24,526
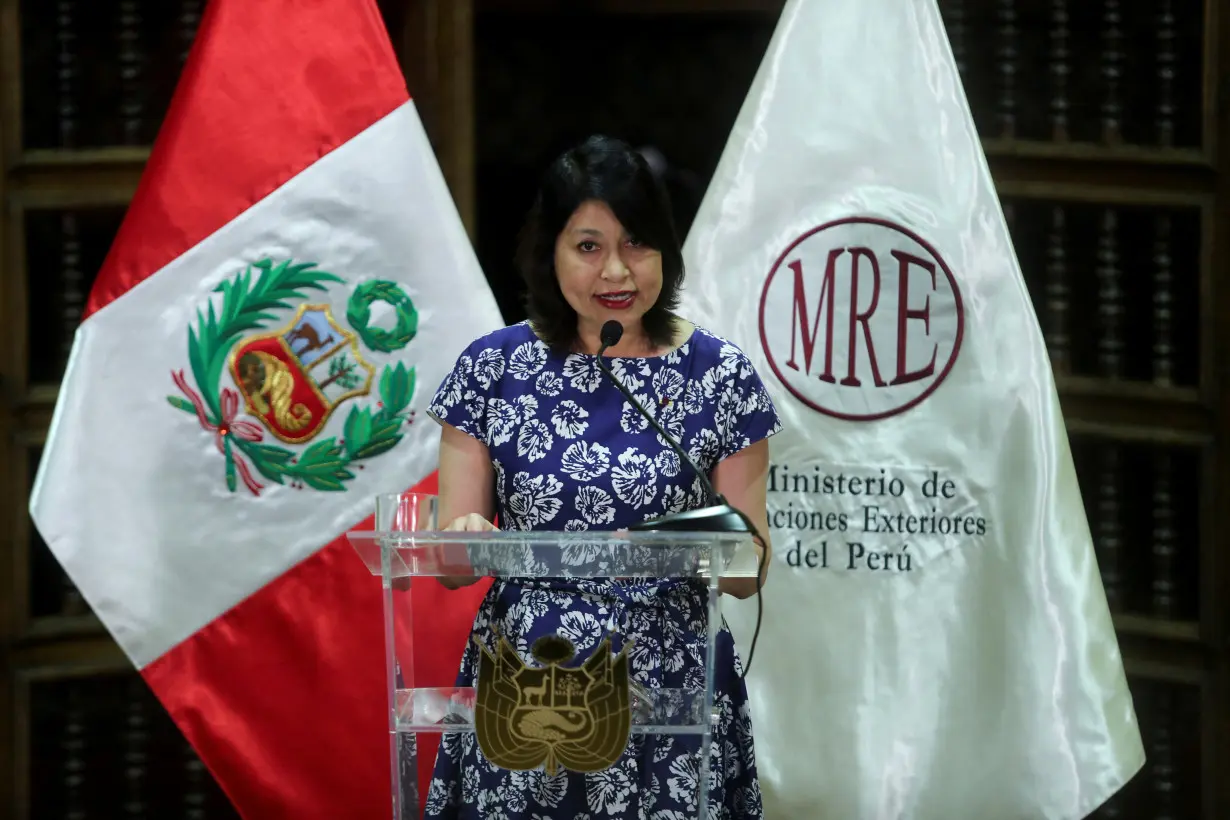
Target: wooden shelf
72,187
1159,659
1161,664
32,413
120,155
1093,152
1140,410
58,627
1122,177
42,394
61,179
1180,424
1127,390
86,655
1097,183
654,7
1147,627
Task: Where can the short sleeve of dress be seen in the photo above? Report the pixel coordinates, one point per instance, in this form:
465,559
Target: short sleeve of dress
461,400
745,411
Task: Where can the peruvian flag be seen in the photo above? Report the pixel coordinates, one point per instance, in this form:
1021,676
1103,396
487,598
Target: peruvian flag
289,286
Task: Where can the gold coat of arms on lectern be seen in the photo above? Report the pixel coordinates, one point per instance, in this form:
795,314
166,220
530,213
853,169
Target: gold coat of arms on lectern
576,718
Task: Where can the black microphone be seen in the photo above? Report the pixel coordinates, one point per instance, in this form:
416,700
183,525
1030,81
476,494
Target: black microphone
716,516
610,335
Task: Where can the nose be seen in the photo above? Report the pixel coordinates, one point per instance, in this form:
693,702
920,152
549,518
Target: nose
615,269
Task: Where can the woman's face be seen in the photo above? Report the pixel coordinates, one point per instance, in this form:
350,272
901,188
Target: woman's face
603,272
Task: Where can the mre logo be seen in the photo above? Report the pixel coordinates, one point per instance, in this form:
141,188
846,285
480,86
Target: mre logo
861,319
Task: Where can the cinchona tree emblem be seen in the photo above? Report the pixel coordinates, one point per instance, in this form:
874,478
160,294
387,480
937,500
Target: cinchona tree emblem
264,345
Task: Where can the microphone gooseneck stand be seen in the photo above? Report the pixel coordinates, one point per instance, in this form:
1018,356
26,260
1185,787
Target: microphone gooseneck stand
716,516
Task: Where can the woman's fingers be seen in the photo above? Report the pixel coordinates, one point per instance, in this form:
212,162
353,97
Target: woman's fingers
473,522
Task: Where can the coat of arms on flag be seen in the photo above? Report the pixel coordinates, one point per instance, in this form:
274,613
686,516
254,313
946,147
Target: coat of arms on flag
294,365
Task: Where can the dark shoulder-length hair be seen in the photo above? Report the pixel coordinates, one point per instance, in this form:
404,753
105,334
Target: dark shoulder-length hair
606,169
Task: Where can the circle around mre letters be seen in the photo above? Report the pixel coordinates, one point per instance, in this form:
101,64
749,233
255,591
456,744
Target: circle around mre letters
861,318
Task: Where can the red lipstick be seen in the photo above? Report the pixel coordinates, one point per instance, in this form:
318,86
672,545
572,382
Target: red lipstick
619,300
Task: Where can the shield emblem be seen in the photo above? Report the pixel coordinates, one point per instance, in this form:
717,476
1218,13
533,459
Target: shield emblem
294,378
577,718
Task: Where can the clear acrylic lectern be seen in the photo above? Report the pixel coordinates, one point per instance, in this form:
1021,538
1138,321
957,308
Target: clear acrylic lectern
406,549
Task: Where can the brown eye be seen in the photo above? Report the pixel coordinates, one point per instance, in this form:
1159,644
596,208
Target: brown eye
587,246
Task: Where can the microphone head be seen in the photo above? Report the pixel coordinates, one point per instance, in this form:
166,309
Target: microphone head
612,332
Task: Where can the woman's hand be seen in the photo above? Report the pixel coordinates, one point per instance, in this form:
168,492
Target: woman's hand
471,522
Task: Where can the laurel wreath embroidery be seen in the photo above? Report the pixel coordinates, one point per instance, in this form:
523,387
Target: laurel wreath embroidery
359,314
248,300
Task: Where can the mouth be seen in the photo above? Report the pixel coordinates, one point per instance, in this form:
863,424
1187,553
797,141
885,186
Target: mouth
617,300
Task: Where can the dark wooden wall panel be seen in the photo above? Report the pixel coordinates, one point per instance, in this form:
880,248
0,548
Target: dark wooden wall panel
100,73
1105,122
64,250
670,82
101,746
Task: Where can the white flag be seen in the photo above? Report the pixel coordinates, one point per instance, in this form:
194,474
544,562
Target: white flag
936,640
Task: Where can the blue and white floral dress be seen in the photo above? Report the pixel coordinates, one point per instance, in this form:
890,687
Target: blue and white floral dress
570,453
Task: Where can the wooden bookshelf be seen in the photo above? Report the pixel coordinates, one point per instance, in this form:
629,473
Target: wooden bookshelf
1105,124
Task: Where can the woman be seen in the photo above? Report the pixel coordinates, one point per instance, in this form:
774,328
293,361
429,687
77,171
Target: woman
535,434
